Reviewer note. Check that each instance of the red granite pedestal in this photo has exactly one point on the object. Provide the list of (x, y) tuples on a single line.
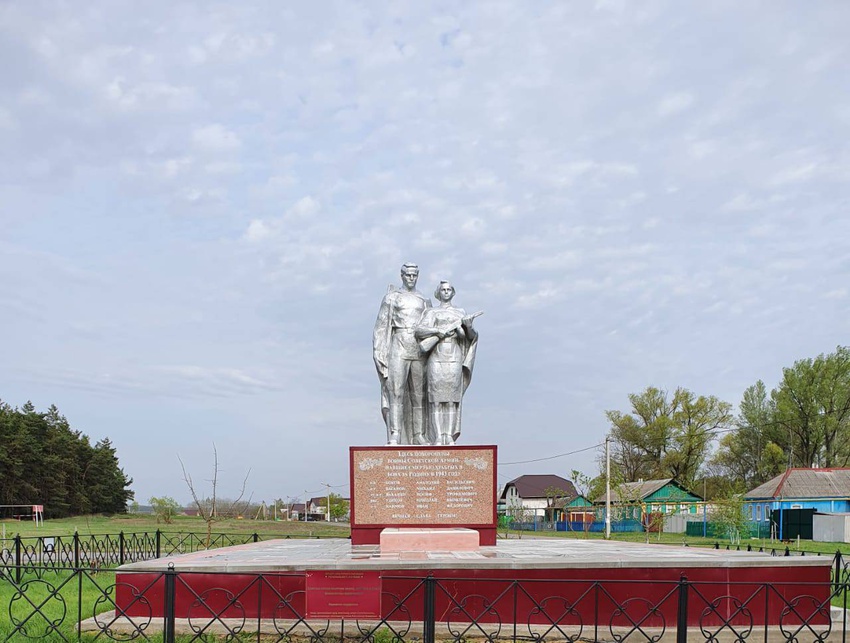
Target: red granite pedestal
[(422, 487)]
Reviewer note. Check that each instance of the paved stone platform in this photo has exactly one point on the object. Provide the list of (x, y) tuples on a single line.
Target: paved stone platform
[(525, 554)]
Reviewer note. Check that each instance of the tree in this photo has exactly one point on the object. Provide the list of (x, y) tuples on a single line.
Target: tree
[(748, 456), (553, 495), (813, 410), (729, 514), (803, 422), (44, 461), (339, 507), (208, 507), (663, 437), (164, 508)]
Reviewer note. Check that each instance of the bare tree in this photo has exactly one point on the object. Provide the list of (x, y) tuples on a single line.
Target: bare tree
[(208, 508)]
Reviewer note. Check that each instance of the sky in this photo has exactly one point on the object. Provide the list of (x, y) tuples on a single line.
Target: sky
[(202, 205)]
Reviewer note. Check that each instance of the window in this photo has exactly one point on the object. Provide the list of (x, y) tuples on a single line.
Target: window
[(749, 512), (767, 512), (758, 512), (796, 506)]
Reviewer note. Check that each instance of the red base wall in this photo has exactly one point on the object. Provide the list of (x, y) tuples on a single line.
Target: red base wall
[(754, 595)]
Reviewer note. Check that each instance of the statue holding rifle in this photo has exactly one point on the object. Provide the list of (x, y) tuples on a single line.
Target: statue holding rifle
[(424, 357), (447, 337)]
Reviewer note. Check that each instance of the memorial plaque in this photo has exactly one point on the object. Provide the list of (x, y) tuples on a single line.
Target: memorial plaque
[(339, 594), (423, 486)]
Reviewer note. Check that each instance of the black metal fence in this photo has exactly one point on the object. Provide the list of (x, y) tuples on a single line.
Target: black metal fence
[(82, 605), (33, 554)]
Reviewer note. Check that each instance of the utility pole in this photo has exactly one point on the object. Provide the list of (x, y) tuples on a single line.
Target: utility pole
[(328, 516), (607, 487)]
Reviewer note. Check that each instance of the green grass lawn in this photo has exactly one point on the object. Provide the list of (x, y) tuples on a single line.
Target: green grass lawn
[(85, 525), (267, 529), (694, 541)]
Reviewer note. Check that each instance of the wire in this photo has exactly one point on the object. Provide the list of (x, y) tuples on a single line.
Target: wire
[(552, 457)]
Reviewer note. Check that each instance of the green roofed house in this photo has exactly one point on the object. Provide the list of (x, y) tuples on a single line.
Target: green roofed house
[(632, 500)]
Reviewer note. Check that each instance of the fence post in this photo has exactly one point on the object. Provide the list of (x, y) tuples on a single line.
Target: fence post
[(158, 542), (120, 547), (18, 560), (168, 615), (837, 577), (76, 550), (428, 625), (256, 537), (787, 551), (682, 612)]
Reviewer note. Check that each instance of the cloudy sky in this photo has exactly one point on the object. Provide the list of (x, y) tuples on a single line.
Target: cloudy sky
[(203, 203)]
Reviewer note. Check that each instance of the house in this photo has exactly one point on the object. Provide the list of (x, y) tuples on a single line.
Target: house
[(318, 505), (633, 500), (825, 490), (297, 511), (574, 509), (535, 495)]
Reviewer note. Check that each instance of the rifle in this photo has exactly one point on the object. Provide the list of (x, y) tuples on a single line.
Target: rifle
[(428, 343)]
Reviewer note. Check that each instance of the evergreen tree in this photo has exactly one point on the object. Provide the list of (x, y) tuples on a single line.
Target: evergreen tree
[(44, 461)]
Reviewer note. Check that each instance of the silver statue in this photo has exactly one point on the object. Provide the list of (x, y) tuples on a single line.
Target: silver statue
[(447, 337), (400, 362)]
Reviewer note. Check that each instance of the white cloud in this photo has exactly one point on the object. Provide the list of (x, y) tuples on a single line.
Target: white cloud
[(675, 103), (216, 138), (257, 230), (305, 207)]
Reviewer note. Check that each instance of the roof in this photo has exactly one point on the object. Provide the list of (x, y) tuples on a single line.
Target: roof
[(804, 483), (535, 486), (641, 490), (564, 502)]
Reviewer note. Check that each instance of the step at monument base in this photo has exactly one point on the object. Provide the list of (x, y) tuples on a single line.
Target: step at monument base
[(395, 539)]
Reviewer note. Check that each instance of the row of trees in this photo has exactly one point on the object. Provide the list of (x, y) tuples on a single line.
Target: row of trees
[(803, 422), (44, 461)]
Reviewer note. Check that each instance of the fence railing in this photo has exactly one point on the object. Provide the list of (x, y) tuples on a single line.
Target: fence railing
[(82, 604), (29, 554)]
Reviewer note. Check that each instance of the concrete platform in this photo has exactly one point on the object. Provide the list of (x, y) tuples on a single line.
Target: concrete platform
[(525, 553)]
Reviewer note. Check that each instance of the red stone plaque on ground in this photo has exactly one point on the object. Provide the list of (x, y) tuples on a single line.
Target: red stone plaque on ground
[(342, 594), (413, 486)]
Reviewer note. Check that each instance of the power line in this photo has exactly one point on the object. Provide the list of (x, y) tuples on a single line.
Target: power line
[(552, 457)]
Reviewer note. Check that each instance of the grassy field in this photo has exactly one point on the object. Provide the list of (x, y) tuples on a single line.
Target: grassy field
[(267, 529), (85, 525), (698, 541)]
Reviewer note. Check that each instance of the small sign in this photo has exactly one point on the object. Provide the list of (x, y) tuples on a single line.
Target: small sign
[(339, 594)]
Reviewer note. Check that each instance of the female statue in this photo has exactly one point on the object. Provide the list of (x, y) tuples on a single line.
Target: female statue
[(448, 339)]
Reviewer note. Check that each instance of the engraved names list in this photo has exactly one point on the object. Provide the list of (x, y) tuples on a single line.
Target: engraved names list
[(423, 485)]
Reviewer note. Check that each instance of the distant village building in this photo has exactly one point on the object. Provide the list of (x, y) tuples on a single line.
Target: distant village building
[(633, 500), (531, 496), (825, 490)]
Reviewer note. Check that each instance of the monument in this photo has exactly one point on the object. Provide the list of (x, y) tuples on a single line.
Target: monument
[(424, 356), (423, 538), (422, 353)]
